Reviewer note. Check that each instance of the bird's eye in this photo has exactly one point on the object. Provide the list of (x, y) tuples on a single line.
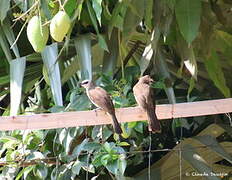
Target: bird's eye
[(85, 82)]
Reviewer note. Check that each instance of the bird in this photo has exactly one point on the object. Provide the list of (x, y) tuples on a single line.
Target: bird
[(101, 99), (144, 97)]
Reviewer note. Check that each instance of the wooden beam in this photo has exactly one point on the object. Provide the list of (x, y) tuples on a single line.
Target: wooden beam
[(90, 118)]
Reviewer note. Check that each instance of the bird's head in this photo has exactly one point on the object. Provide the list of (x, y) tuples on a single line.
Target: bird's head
[(146, 79), (86, 84)]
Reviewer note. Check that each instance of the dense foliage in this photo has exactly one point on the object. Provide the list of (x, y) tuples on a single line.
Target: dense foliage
[(185, 45)]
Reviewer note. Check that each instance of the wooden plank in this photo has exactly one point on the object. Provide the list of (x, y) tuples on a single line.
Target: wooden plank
[(89, 118)]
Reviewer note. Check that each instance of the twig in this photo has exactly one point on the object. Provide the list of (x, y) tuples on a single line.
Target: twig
[(20, 32), (18, 18)]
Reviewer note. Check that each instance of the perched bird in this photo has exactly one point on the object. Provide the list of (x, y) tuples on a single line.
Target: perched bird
[(101, 99), (144, 97)]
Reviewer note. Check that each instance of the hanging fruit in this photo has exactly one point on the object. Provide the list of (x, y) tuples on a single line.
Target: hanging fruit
[(59, 26), (37, 34)]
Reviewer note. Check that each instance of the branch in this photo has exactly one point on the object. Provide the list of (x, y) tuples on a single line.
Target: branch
[(131, 114)]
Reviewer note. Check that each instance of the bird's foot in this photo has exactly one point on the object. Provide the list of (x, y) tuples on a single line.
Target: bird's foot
[(96, 109)]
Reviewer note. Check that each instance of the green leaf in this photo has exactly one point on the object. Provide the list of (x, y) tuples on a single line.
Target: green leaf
[(25, 171), (77, 150), (132, 124), (56, 109), (122, 164), (92, 16), (139, 127), (54, 173), (96, 4), (35, 155), (123, 144), (4, 7), (83, 48), (76, 167), (70, 6), (188, 15), (102, 42), (6, 27), (105, 158), (5, 45), (148, 17), (190, 62), (91, 146), (110, 58), (41, 171), (146, 58), (191, 86), (108, 147), (163, 70), (71, 67), (50, 56), (79, 102), (171, 3), (132, 19), (45, 8), (113, 166), (17, 69), (226, 37), (4, 80), (216, 74), (114, 22)]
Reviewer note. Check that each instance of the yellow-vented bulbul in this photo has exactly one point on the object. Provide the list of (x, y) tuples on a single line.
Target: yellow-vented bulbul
[(144, 97), (100, 98)]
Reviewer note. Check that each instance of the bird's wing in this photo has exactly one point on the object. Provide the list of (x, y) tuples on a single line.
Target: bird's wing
[(101, 98), (142, 94)]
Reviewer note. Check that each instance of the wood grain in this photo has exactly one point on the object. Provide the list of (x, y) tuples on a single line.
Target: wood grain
[(90, 118)]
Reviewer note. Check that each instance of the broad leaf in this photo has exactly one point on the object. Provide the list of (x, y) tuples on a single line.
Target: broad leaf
[(148, 17), (83, 48), (24, 172), (70, 7), (146, 58), (188, 15), (76, 167), (49, 56), (102, 42), (5, 45), (132, 19), (114, 21), (71, 67), (17, 69), (190, 61), (164, 72), (216, 74), (77, 150), (110, 58), (41, 171), (10, 37), (92, 16), (96, 4), (4, 7), (45, 8)]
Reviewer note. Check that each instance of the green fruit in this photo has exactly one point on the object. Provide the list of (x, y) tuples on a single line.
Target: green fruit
[(37, 35), (59, 26)]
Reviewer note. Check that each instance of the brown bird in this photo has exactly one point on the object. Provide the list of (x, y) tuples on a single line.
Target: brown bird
[(144, 97), (101, 99)]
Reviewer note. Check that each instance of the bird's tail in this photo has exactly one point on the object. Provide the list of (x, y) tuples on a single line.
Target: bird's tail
[(116, 125), (153, 122)]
